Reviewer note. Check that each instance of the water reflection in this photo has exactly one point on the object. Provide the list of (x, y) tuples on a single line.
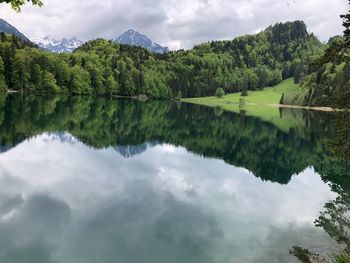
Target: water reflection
[(85, 180)]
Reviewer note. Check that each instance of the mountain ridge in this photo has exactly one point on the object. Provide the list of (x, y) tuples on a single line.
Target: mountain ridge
[(10, 29), (134, 38), (58, 46)]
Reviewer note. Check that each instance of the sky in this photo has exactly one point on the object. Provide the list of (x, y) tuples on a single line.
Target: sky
[(173, 23)]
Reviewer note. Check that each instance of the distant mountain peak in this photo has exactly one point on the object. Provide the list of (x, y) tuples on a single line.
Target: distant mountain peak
[(58, 46), (134, 38)]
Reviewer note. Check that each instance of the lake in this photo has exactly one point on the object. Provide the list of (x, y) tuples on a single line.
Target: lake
[(99, 180)]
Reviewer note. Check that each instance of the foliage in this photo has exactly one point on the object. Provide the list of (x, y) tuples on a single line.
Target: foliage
[(244, 93), (249, 62), (219, 92), (2, 77), (102, 67), (346, 24), (328, 84), (16, 4)]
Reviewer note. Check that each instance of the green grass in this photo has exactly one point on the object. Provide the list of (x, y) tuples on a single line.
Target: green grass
[(257, 103)]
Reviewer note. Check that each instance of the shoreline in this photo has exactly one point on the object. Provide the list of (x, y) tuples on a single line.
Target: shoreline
[(273, 105), (317, 108), (188, 100)]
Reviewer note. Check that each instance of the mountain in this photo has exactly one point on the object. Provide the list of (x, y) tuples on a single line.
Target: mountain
[(9, 29), (132, 37), (58, 46), (128, 151)]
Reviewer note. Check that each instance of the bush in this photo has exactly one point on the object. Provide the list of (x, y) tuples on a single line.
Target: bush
[(244, 93), (219, 92)]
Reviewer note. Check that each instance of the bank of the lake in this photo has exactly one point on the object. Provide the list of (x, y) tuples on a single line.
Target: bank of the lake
[(264, 104), (257, 103)]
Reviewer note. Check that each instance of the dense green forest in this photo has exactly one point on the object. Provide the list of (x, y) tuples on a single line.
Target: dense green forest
[(101, 67)]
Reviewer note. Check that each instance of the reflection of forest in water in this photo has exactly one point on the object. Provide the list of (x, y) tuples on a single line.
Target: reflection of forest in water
[(318, 139), (243, 141)]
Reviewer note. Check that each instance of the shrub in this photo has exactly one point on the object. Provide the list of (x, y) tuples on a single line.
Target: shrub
[(244, 93), (219, 92)]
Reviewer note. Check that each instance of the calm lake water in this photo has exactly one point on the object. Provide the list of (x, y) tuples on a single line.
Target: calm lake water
[(94, 180)]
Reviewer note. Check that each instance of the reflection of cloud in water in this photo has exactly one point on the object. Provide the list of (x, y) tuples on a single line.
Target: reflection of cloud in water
[(30, 234), (160, 206)]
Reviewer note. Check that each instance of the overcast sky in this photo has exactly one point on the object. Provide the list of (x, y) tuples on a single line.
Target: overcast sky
[(173, 23)]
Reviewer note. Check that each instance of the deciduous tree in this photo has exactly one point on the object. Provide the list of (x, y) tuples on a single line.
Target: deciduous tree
[(17, 4)]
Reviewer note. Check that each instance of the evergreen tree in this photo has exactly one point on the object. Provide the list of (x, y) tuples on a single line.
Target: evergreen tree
[(36, 77), (19, 72), (3, 86), (346, 24)]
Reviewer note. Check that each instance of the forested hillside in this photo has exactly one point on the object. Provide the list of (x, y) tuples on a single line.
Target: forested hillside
[(101, 67), (329, 82), (249, 62)]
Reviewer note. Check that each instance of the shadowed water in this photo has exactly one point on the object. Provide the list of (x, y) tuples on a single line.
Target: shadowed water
[(98, 180)]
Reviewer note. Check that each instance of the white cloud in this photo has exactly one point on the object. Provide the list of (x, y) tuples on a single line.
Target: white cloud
[(99, 206), (176, 23)]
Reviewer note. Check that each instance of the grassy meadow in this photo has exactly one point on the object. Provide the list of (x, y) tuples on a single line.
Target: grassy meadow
[(261, 104)]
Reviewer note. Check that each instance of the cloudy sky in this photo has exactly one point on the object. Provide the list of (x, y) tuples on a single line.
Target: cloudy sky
[(175, 23)]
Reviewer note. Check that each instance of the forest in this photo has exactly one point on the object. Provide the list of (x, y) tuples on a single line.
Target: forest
[(328, 82), (102, 67)]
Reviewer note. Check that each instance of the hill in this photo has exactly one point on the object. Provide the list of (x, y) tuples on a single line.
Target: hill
[(250, 62)]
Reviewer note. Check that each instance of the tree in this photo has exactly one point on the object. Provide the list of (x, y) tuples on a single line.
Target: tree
[(17, 4), (49, 83), (276, 77), (19, 72), (36, 77), (80, 81), (111, 85), (3, 87), (338, 51), (129, 85), (219, 92), (346, 24)]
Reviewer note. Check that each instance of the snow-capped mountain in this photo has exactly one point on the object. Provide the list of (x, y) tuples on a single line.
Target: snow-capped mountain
[(58, 46), (9, 29), (63, 137), (132, 37)]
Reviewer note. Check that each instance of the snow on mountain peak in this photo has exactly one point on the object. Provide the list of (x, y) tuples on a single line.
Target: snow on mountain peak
[(58, 46)]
